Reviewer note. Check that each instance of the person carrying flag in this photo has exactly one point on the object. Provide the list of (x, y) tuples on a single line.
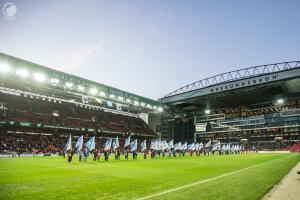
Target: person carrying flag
[(95, 155), (106, 154), (115, 146), (126, 146), (98, 155), (89, 147), (143, 146), (126, 153), (107, 149), (133, 147), (70, 155), (85, 154), (80, 155)]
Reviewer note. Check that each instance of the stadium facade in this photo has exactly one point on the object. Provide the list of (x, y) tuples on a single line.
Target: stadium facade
[(257, 105)]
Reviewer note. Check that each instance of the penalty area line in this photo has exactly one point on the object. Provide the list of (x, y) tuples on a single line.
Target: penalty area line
[(206, 180)]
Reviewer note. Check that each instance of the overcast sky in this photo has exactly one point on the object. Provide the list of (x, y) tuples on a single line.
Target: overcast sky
[(151, 47)]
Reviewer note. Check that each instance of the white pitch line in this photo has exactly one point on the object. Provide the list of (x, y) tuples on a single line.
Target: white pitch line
[(205, 181)]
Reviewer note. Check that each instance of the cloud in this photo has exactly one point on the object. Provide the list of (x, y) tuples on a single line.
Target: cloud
[(73, 59)]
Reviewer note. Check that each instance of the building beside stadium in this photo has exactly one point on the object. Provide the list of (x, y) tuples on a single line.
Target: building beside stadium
[(258, 105)]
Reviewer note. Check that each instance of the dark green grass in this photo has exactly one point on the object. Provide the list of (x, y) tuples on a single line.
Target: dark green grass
[(52, 178)]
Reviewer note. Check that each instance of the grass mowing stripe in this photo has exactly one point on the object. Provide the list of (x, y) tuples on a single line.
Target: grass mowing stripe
[(210, 179), (53, 178)]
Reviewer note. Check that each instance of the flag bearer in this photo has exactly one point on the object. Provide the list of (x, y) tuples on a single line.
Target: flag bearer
[(80, 155), (70, 155), (106, 155)]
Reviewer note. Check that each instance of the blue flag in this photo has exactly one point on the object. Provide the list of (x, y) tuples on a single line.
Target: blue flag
[(164, 145), (127, 141), (184, 146), (170, 144), (177, 146), (133, 145), (79, 143), (200, 145), (191, 147), (90, 144), (143, 145), (107, 146), (115, 144), (208, 144), (68, 145), (152, 145)]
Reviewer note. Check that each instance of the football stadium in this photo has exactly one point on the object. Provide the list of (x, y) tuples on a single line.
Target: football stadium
[(214, 132), (66, 132)]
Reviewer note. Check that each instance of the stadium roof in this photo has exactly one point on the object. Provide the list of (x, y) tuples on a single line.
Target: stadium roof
[(240, 87), (35, 74)]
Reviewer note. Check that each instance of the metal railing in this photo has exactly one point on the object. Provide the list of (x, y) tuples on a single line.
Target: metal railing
[(237, 75)]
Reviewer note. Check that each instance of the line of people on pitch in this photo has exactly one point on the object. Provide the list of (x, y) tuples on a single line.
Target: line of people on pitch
[(85, 153)]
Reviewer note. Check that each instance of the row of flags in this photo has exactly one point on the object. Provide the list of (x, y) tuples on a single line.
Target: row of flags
[(109, 144), (164, 145), (155, 145)]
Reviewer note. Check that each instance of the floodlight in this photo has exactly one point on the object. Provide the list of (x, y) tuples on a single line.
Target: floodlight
[(93, 91), (80, 88), (143, 104), (207, 111), (149, 106), (154, 107), (128, 100), (54, 81), (280, 101), (69, 84), (120, 98), (136, 103), (4, 68), (102, 94), (160, 109), (22, 72), (39, 77), (112, 96)]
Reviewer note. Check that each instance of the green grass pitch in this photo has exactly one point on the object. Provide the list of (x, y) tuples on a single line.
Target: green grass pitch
[(53, 178)]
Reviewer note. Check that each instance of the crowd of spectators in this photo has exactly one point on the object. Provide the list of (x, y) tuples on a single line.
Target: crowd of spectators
[(54, 114), (45, 143)]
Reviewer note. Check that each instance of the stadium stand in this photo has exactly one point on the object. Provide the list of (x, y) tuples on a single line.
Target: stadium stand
[(257, 106), (38, 113)]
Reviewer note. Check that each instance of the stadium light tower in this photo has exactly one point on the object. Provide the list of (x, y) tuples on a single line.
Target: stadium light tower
[(22, 73)]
